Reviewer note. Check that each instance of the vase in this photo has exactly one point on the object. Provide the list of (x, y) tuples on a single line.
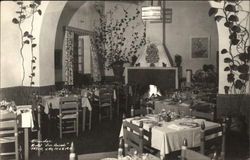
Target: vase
[(118, 70)]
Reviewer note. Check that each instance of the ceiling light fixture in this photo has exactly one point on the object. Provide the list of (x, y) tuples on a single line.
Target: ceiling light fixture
[(151, 13)]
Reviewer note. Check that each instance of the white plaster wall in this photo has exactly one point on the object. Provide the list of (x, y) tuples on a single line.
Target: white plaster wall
[(189, 19), (47, 42), (11, 63)]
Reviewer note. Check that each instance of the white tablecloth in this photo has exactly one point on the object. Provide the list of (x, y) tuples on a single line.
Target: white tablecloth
[(55, 100), (170, 135)]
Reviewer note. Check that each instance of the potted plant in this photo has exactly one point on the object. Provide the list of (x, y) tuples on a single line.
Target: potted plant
[(111, 42), (178, 60)]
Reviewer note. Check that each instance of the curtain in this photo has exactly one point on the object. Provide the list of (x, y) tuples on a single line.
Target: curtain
[(69, 50), (96, 73)]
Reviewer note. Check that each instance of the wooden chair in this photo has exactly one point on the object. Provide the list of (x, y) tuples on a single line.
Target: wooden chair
[(136, 137), (206, 111), (8, 135), (69, 115), (188, 154), (143, 110), (105, 103), (213, 140), (131, 96)]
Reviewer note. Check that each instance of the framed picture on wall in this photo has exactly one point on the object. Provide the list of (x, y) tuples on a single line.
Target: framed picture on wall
[(200, 47)]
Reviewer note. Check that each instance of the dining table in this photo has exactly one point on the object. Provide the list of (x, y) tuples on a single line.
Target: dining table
[(168, 137), (53, 102)]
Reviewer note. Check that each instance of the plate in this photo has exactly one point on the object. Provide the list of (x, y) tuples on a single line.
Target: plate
[(189, 124)]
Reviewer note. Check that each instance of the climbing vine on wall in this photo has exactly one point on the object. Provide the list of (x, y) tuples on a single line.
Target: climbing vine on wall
[(27, 10), (238, 52)]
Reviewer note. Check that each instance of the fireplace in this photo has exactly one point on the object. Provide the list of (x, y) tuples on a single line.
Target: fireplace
[(165, 78)]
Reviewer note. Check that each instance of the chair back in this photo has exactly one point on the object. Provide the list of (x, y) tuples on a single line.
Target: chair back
[(135, 136), (68, 112), (188, 154), (105, 96), (69, 105), (213, 140), (8, 133), (206, 111)]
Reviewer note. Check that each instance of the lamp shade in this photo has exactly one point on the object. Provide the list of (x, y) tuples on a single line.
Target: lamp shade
[(151, 13)]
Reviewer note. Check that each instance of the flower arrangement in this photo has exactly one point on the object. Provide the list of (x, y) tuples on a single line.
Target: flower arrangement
[(8, 106), (110, 40)]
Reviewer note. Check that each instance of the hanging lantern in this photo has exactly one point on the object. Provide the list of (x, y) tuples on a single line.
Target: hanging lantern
[(151, 13)]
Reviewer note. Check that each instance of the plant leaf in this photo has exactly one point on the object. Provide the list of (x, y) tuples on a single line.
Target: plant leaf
[(234, 67), (33, 45), (224, 51), (34, 67), (26, 33), (227, 69), (26, 42), (39, 12), (244, 68), (233, 35), (32, 83), (218, 18), (227, 60), (238, 84), (228, 24), (244, 76), (33, 5), (230, 8), (15, 21), (230, 77), (212, 11), (19, 3), (243, 56), (236, 29), (235, 41), (30, 36), (233, 18)]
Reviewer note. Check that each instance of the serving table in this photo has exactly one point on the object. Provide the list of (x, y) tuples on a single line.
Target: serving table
[(25, 121), (168, 136)]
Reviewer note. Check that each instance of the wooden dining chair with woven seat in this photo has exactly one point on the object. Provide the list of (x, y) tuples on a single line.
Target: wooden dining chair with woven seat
[(8, 136), (136, 138), (213, 140), (105, 103), (69, 115)]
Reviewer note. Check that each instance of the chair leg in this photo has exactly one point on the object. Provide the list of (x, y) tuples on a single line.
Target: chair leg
[(83, 118), (60, 128), (77, 127), (100, 117), (16, 144), (90, 117), (110, 112)]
